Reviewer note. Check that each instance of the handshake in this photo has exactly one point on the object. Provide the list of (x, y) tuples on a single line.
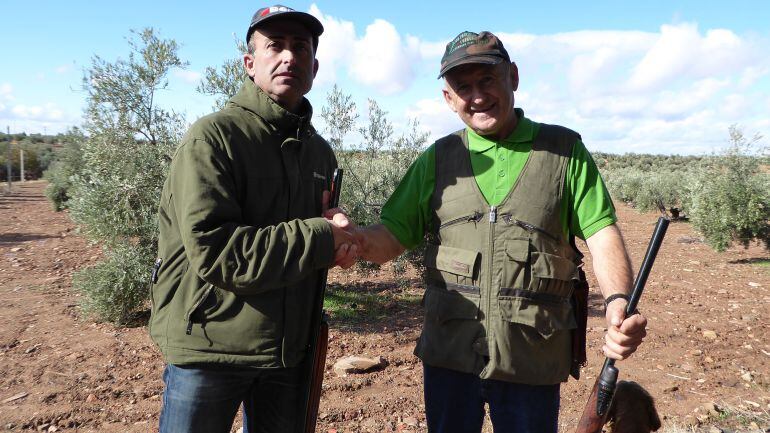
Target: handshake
[(352, 242)]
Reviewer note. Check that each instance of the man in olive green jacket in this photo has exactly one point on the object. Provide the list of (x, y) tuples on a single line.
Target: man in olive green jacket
[(498, 203), (243, 242)]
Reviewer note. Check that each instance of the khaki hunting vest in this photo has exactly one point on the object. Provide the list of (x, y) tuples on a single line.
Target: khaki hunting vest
[(499, 278)]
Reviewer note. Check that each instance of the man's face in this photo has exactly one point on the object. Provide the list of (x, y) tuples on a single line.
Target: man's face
[(482, 95), (282, 62)]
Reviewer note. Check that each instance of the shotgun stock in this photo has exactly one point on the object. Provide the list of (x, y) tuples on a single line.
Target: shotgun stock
[(319, 334), (598, 405)]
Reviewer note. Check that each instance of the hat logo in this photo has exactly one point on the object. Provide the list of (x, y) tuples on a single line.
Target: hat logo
[(274, 9)]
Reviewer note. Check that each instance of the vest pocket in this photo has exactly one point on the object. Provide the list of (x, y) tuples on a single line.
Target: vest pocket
[(451, 265), (545, 313), (444, 305), (553, 274)]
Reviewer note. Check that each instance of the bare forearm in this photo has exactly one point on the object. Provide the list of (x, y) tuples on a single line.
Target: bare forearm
[(611, 263), (378, 244)]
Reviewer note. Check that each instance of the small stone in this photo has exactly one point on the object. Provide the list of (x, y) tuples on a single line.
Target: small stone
[(690, 421), (711, 408), (670, 389), (753, 426), (710, 335), (715, 429), (357, 364), (411, 421), (752, 284), (53, 429), (747, 376), (91, 398), (696, 352), (708, 360)]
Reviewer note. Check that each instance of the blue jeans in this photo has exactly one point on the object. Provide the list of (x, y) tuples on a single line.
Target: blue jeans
[(206, 399), (454, 403)]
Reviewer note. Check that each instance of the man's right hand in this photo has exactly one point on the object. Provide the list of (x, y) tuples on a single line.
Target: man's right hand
[(377, 244), (346, 244)]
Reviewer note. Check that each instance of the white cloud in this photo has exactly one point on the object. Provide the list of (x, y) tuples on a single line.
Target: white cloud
[(6, 92), (46, 112), (682, 53), (335, 46), (189, 77), (65, 68), (435, 117), (382, 60)]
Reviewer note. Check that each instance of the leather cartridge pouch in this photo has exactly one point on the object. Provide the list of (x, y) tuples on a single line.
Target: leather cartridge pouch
[(580, 307)]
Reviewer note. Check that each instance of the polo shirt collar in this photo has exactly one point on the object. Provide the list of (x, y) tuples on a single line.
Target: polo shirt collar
[(523, 133)]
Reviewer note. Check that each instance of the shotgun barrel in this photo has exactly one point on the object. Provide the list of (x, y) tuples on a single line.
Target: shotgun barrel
[(319, 333), (598, 405)]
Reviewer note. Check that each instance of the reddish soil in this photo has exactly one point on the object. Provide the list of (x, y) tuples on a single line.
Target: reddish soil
[(708, 339)]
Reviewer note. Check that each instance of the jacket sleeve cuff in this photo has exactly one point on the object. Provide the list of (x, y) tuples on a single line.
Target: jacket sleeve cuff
[(323, 241)]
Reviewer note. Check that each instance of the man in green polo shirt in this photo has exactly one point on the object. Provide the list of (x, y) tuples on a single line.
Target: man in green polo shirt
[(498, 204)]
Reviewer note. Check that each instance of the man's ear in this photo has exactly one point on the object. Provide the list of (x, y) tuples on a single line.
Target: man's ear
[(248, 64), (315, 67), (449, 98), (515, 76)]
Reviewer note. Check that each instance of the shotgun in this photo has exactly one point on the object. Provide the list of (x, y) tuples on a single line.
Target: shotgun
[(598, 405), (319, 333)]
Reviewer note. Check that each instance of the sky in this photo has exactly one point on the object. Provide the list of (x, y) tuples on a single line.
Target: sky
[(644, 77)]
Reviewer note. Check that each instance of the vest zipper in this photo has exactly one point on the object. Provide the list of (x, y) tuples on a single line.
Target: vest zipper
[(490, 265), (475, 217), (526, 226)]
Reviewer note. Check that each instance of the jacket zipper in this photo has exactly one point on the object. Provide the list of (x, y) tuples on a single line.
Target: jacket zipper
[(192, 310), (475, 217)]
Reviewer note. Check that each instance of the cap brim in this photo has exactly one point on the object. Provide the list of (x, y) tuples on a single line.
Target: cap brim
[(310, 22), (486, 60)]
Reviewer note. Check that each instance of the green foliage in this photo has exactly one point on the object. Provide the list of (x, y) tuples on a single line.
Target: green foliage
[(649, 182), (726, 197), (356, 305), (68, 162), (225, 81), (114, 197), (116, 288), (731, 200), (374, 165)]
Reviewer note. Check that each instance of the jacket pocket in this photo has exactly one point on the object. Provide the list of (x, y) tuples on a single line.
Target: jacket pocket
[(205, 300), (546, 313)]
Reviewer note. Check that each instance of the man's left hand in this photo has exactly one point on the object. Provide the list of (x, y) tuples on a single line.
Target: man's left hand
[(624, 334)]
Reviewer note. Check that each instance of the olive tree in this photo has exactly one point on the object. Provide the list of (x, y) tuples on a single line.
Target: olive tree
[(114, 198)]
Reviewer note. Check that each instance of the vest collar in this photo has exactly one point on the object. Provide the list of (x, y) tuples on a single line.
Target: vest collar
[(524, 133), (250, 97)]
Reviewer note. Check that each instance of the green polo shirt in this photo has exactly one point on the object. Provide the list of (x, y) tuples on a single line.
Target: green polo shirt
[(585, 209)]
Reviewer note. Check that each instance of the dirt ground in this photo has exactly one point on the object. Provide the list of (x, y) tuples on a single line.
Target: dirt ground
[(707, 342)]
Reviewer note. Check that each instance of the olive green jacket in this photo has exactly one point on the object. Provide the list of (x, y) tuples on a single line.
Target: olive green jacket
[(499, 278), (241, 237)]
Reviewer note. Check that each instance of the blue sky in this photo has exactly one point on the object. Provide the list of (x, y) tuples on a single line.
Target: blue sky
[(657, 77)]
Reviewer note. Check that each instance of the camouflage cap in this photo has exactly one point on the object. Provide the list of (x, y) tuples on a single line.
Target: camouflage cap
[(279, 11), (469, 47)]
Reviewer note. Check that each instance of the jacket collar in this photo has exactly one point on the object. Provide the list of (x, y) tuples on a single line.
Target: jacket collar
[(250, 97)]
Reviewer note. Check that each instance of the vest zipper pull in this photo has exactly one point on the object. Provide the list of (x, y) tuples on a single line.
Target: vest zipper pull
[(493, 214)]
